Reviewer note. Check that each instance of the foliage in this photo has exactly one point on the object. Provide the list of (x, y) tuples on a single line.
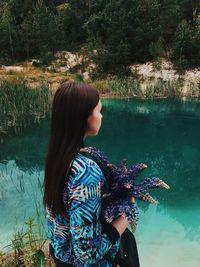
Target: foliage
[(156, 48), (70, 25), (186, 46), (44, 28), (27, 246), (170, 16), (122, 32), (7, 33)]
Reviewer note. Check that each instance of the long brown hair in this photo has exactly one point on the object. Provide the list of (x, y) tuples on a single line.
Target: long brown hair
[(72, 105)]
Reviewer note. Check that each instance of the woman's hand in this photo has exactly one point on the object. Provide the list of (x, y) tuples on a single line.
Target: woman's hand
[(121, 223), (132, 200), (125, 207)]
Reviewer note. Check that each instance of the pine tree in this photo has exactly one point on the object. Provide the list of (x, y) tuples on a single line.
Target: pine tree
[(7, 31), (45, 29), (183, 46)]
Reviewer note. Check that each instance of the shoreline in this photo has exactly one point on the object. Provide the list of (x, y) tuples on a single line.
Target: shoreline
[(158, 79), (41, 92)]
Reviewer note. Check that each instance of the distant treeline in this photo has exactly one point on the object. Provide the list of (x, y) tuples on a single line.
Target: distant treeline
[(121, 31)]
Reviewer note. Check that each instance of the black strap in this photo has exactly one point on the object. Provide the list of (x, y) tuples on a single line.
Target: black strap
[(128, 253), (57, 262)]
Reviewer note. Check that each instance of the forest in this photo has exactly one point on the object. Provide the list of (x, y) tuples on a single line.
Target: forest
[(121, 32)]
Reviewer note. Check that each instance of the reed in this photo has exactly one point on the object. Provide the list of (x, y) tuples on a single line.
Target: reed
[(161, 88), (125, 87), (27, 248), (22, 106), (118, 87)]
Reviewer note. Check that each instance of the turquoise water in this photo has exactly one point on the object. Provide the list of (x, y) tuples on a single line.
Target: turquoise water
[(164, 134)]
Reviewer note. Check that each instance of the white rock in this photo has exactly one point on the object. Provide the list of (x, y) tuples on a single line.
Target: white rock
[(86, 75), (12, 68)]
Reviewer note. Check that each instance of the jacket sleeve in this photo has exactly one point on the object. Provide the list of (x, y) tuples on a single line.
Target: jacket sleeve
[(91, 238)]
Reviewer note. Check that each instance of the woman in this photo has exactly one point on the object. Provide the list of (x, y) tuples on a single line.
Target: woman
[(73, 184)]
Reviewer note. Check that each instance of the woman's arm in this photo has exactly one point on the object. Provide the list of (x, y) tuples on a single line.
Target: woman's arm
[(91, 237)]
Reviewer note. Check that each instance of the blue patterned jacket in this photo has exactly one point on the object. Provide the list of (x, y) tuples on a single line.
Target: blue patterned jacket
[(82, 238)]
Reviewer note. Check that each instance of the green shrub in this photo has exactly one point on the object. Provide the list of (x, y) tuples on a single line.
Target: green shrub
[(185, 49)]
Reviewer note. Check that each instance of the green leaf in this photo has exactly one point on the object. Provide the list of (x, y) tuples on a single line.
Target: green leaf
[(39, 259)]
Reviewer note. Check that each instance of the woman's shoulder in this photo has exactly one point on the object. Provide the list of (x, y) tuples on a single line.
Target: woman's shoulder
[(84, 166), (83, 161)]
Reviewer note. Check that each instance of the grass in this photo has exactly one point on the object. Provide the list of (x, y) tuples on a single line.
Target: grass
[(125, 87), (27, 249), (129, 87), (118, 87), (194, 91), (28, 246), (22, 106), (162, 88)]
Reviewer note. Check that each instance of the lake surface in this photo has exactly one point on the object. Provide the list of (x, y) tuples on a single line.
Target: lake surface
[(164, 134)]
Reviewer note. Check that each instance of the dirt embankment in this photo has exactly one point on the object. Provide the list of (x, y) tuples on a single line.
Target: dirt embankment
[(68, 66), (151, 72)]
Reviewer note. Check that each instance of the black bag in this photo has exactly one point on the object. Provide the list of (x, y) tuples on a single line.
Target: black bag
[(127, 255)]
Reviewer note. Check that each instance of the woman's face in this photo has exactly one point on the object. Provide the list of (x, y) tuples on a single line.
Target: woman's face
[(94, 121)]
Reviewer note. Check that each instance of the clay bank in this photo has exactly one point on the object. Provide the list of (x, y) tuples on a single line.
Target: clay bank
[(154, 78)]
